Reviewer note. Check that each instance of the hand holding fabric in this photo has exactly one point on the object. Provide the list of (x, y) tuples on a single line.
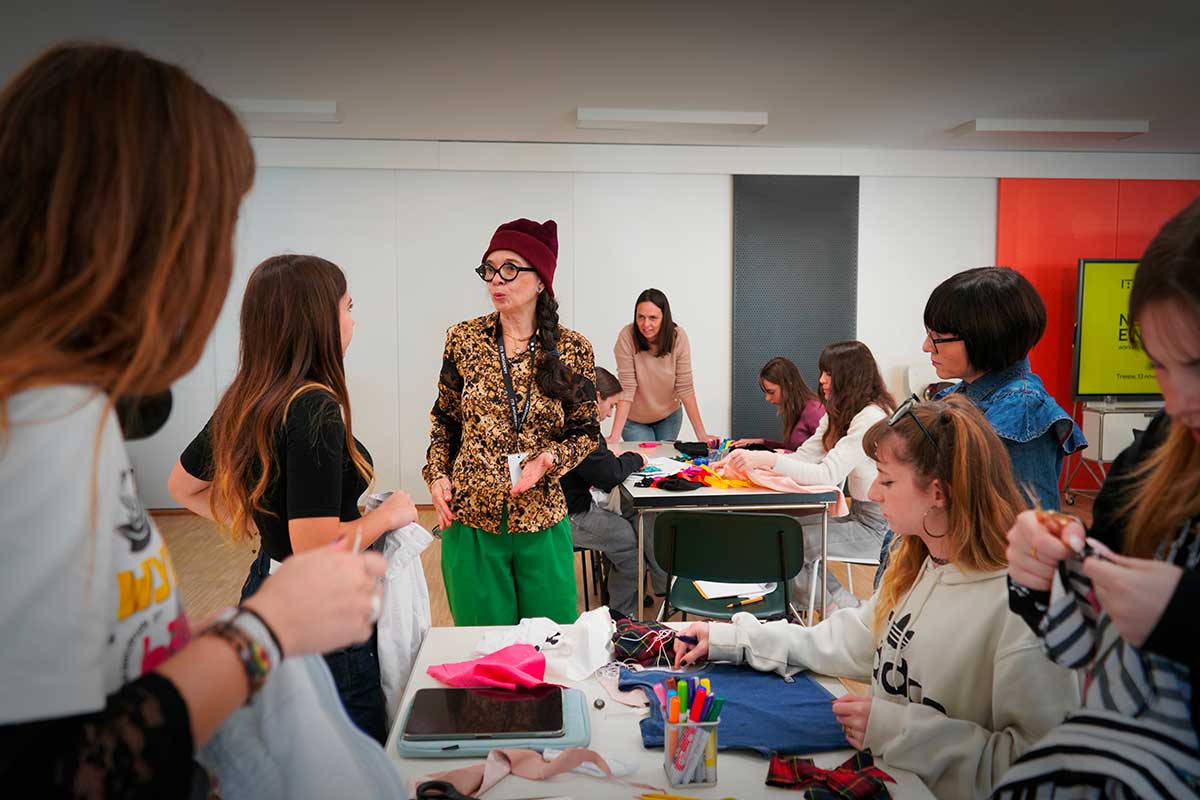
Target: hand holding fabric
[(685, 653), (746, 460), (1134, 592), (853, 711), (1034, 551)]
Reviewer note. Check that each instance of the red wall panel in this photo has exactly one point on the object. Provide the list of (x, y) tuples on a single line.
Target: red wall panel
[(1044, 227), (1143, 207)]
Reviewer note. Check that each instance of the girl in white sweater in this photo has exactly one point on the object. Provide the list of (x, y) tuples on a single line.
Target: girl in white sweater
[(855, 399), (959, 687)]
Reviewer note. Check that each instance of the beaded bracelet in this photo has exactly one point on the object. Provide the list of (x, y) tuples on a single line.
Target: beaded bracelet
[(258, 657)]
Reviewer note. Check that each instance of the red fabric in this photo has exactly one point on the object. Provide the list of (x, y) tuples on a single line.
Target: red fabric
[(856, 779), (507, 668), (536, 242)]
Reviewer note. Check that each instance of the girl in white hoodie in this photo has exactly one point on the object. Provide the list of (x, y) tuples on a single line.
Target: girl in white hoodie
[(959, 688)]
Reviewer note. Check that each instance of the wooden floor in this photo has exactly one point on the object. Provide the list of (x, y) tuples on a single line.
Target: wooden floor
[(211, 569)]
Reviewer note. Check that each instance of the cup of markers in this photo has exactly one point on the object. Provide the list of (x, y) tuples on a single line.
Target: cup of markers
[(692, 713)]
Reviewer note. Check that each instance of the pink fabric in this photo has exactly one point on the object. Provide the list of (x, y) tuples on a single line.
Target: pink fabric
[(781, 483), (507, 668), (476, 780)]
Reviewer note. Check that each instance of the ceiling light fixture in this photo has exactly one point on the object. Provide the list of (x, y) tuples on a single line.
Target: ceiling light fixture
[(1097, 128), (640, 119), (267, 110)]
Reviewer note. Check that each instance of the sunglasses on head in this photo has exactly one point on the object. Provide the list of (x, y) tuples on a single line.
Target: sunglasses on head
[(906, 410)]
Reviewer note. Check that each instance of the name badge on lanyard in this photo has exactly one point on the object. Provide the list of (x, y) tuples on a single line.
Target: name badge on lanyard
[(518, 418)]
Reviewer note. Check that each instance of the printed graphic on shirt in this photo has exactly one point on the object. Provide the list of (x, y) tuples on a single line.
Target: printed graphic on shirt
[(893, 674), (136, 525), (149, 624)]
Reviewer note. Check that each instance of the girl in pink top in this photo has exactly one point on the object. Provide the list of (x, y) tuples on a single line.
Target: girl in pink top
[(799, 407)]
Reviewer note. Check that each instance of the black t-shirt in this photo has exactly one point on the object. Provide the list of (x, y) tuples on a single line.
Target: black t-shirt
[(312, 476)]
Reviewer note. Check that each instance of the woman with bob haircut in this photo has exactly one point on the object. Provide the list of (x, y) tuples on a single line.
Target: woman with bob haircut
[(278, 461), (654, 364), (1118, 602), (958, 685), (123, 179), (855, 399), (798, 405), (979, 327)]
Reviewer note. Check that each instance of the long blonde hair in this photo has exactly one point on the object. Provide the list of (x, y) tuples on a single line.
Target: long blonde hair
[(974, 470), (1166, 486)]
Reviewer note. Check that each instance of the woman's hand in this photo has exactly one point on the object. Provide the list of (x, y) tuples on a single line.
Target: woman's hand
[(744, 442), (691, 653), (1034, 550), (1134, 592), (443, 494), (322, 599), (613, 438), (853, 711), (533, 471), (746, 460), (398, 510)]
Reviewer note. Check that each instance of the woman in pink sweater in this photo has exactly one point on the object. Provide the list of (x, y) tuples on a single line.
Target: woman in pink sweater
[(799, 407), (654, 364)]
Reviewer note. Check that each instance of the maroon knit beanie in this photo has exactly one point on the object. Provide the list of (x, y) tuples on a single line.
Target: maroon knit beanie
[(536, 242)]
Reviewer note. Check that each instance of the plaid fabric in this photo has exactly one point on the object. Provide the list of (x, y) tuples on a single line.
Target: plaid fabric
[(647, 643), (857, 779)]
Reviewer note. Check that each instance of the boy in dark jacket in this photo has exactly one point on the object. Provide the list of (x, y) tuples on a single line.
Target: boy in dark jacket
[(597, 528)]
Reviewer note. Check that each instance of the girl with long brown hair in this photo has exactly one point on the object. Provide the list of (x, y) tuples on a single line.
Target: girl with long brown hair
[(855, 399), (800, 410), (278, 460), (654, 364), (958, 686), (1118, 602), (123, 179)]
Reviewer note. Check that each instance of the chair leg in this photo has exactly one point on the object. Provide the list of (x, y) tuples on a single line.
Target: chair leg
[(812, 590), (850, 577), (583, 563)]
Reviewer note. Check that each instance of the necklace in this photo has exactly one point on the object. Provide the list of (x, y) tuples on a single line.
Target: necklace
[(941, 562), (519, 343)]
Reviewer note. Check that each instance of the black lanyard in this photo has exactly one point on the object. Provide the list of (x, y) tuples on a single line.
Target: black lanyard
[(518, 420)]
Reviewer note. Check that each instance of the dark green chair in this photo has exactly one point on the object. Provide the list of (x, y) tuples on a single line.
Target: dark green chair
[(732, 547)]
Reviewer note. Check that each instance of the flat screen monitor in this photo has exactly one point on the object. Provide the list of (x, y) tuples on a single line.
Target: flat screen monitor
[(1106, 364)]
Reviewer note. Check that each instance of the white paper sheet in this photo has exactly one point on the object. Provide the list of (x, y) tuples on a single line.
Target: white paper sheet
[(712, 590)]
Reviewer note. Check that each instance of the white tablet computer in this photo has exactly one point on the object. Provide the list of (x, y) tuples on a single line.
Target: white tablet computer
[(450, 714)]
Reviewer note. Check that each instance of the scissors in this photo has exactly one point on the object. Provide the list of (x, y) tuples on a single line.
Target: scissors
[(440, 790)]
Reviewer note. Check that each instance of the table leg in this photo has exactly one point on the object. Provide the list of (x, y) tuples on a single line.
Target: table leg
[(824, 557), (641, 569)]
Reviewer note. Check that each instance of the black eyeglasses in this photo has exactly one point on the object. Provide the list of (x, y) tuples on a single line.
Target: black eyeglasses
[(906, 410), (508, 271), (935, 341)]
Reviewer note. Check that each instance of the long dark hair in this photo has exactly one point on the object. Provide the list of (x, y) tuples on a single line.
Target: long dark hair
[(856, 385), (1167, 484), (123, 178), (666, 331), (554, 378), (291, 344), (796, 392)]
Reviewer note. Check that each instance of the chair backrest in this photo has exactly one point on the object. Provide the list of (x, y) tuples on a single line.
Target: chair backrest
[(734, 547)]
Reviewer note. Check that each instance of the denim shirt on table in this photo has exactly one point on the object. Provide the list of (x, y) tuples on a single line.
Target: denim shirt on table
[(1037, 432)]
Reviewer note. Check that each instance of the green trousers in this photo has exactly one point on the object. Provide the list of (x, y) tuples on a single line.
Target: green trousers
[(499, 578)]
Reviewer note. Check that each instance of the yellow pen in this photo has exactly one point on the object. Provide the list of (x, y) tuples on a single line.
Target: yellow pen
[(745, 602)]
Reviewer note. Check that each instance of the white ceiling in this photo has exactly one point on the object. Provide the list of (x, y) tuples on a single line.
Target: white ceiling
[(845, 74)]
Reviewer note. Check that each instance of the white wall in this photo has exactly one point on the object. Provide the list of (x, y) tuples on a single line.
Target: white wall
[(409, 242), (912, 234)]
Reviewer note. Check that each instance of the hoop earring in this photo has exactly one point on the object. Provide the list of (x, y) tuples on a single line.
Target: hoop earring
[(926, 527)]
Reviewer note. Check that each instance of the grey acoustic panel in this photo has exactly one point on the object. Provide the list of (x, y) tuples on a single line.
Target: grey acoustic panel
[(795, 281)]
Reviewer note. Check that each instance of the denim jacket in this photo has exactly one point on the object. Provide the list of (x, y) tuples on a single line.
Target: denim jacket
[(1034, 428)]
